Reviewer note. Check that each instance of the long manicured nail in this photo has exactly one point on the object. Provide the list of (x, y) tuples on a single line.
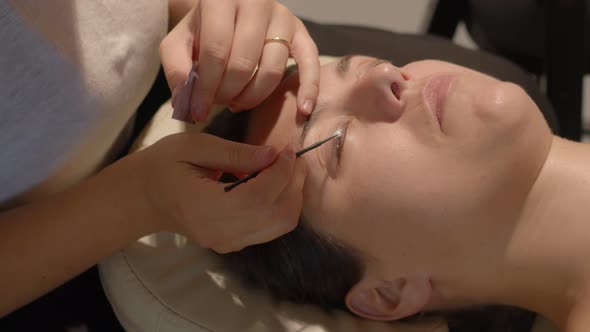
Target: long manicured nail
[(181, 104), (182, 94)]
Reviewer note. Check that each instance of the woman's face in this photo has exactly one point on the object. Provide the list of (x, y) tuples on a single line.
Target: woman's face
[(432, 155)]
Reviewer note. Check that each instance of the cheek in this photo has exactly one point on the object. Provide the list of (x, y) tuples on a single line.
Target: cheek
[(486, 110), (385, 218), (514, 134), (392, 174), (395, 177), (518, 143), (503, 106)]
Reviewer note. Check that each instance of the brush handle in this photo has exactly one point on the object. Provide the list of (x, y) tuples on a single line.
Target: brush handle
[(297, 154), (240, 181)]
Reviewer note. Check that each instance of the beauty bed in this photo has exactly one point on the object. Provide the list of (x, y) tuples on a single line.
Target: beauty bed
[(164, 283)]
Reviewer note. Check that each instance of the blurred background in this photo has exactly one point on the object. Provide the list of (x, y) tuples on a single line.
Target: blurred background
[(516, 29)]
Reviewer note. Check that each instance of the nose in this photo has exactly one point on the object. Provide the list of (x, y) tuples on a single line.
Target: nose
[(378, 92)]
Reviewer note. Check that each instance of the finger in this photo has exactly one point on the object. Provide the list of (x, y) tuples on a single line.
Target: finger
[(251, 26), (266, 234), (216, 36), (176, 52), (272, 63), (305, 53), (262, 191), (289, 205), (214, 153)]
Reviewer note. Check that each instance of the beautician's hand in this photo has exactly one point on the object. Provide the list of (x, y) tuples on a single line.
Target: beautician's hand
[(227, 38), (177, 177)]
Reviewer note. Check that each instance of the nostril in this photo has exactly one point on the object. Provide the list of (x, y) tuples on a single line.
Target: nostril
[(395, 88)]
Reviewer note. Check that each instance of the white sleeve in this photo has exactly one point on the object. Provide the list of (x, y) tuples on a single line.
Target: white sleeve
[(72, 73)]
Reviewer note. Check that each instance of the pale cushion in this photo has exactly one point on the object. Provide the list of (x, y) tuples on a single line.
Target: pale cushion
[(164, 283)]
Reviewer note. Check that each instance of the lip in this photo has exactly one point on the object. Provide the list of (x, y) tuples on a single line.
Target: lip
[(435, 94)]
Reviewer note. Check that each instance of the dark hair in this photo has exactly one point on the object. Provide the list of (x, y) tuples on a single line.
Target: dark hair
[(297, 267), (306, 267)]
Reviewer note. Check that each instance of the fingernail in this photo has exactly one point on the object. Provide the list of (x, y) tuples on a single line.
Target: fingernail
[(265, 155), (181, 105), (199, 112), (290, 149), (307, 106), (173, 99)]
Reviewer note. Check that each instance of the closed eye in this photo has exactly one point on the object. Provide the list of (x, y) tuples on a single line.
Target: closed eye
[(339, 142)]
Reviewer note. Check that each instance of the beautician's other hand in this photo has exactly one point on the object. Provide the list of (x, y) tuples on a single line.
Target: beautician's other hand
[(227, 38), (177, 177)]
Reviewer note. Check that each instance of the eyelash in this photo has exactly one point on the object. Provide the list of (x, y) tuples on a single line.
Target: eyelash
[(339, 142)]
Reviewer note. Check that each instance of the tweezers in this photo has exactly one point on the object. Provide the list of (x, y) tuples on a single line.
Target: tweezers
[(299, 153)]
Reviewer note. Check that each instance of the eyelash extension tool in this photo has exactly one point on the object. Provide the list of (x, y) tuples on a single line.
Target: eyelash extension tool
[(299, 153)]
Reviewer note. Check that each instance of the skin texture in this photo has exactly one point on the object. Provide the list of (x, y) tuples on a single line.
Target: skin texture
[(413, 194)]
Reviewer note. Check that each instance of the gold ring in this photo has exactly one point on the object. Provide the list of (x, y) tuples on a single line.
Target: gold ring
[(278, 40)]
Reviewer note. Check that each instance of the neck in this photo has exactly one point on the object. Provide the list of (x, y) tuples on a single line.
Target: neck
[(552, 237), (544, 255)]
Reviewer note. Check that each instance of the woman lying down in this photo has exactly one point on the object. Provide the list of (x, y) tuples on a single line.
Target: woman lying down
[(446, 191)]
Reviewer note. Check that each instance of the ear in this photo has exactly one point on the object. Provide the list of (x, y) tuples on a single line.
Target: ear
[(389, 300)]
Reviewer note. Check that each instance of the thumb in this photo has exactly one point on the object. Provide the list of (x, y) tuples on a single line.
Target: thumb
[(215, 153)]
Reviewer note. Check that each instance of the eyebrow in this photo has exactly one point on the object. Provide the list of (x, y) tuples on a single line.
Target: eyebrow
[(311, 121), (343, 65), (342, 69)]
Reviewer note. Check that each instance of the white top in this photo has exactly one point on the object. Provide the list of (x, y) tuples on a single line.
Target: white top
[(72, 73)]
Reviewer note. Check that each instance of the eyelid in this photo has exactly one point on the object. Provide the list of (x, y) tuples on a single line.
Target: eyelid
[(339, 144)]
